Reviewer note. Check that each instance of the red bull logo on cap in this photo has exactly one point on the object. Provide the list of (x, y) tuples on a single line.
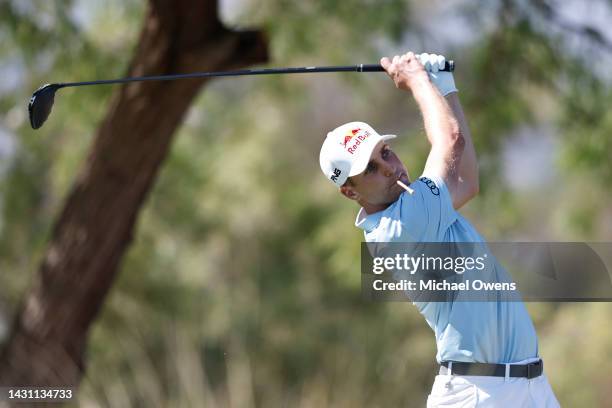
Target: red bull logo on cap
[(349, 136), (352, 139)]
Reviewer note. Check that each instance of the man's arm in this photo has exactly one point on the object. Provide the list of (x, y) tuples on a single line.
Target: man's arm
[(468, 184), (441, 125)]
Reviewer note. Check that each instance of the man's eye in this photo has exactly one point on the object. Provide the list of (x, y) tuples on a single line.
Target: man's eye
[(371, 167), (385, 153)]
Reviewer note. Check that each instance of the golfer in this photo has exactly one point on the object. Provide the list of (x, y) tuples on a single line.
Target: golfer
[(487, 351)]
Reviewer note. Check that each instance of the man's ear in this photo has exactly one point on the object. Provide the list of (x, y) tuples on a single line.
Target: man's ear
[(349, 192)]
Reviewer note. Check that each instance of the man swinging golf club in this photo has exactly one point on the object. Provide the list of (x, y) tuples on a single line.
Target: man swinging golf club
[(487, 351)]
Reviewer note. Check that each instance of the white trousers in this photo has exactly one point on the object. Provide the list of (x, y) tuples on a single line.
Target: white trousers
[(479, 391)]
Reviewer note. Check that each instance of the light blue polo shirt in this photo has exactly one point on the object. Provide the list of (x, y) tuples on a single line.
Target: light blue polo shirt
[(471, 331)]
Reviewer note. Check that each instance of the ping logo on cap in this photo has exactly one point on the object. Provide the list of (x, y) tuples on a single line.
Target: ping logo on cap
[(335, 174)]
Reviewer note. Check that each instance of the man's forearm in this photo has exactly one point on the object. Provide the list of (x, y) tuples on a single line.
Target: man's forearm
[(441, 125), (468, 168)]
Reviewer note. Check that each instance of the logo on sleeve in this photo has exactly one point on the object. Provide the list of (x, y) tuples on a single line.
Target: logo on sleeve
[(432, 186)]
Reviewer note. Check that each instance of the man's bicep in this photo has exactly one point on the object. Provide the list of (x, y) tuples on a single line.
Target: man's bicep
[(464, 192), (443, 161)]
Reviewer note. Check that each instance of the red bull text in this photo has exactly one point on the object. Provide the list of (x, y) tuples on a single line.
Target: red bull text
[(354, 141)]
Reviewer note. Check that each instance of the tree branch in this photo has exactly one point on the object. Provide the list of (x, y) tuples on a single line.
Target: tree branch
[(95, 227)]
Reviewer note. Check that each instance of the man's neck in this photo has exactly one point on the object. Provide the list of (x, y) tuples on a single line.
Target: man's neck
[(370, 208)]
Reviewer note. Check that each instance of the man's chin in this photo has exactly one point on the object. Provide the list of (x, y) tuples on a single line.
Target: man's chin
[(395, 194)]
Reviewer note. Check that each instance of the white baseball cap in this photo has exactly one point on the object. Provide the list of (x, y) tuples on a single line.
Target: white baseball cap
[(347, 149)]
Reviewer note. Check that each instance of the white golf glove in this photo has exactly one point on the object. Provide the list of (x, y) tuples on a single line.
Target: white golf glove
[(443, 80)]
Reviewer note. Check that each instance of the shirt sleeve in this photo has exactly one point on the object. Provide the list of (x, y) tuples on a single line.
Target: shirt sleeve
[(427, 213)]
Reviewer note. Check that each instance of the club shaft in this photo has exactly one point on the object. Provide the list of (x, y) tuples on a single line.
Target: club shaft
[(261, 71)]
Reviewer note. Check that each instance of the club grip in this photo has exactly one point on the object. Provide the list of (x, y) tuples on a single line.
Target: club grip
[(449, 66)]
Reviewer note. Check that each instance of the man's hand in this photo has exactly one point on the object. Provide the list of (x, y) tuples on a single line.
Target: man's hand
[(406, 70), (443, 80)]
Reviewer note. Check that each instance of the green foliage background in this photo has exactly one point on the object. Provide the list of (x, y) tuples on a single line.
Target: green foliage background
[(242, 285)]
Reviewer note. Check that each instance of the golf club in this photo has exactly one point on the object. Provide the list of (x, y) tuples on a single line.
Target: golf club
[(42, 99)]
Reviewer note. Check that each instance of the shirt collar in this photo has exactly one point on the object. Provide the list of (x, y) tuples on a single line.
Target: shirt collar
[(367, 222)]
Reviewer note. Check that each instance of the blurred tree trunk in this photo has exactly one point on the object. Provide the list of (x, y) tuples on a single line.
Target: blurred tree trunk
[(95, 227)]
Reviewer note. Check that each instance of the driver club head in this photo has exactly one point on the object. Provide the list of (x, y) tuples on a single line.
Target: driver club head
[(41, 104)]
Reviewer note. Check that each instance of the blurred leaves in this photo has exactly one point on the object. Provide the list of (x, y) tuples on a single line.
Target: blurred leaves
[(587, 126)]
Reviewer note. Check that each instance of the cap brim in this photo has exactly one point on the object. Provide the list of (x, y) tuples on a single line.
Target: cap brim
[(362, 163)]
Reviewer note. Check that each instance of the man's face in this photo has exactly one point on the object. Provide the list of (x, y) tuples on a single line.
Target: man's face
[(376, 188)]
